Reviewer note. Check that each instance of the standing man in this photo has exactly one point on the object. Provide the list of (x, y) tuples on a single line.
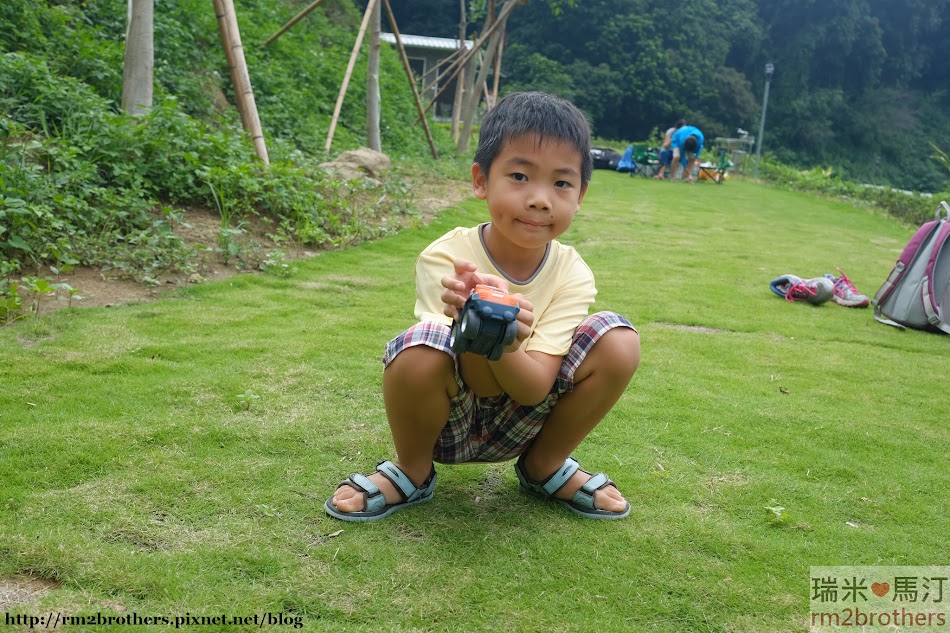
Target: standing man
[(687, 144)]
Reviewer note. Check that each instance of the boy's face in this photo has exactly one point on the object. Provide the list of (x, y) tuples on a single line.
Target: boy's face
[(533, 191)]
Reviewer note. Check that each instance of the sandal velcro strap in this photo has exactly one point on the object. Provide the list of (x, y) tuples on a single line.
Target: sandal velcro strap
[(561, 476), (400, 480), (374, 498), (585, 495)]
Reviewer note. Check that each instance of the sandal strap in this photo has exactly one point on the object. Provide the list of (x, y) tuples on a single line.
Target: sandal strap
[(404, 485), (561, 476), (372, 496), (585, 495)]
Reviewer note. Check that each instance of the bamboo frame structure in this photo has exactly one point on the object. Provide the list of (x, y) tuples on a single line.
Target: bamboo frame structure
[(461, 62)]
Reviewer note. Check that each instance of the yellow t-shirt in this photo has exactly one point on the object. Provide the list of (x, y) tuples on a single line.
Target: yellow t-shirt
[(561, 290)]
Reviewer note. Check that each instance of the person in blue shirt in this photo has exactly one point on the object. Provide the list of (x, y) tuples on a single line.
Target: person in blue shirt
[(687, 144)]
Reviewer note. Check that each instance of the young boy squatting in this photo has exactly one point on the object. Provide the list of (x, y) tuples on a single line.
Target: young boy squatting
[(561, 375)]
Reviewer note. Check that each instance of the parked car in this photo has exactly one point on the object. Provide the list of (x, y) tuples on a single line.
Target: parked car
[(604, 158)]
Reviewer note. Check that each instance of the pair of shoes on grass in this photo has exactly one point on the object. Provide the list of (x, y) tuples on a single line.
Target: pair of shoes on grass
[(376, 507), (819, 290)]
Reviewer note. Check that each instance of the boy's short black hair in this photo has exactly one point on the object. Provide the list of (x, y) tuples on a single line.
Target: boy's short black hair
[(679, 123), (547, 116), (691, 144)]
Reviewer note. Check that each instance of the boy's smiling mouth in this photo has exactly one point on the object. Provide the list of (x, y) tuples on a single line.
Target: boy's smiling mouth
[(534, 224)]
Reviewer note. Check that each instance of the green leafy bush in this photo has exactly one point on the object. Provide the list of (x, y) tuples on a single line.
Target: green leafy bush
[(908, 206), (81, 183)]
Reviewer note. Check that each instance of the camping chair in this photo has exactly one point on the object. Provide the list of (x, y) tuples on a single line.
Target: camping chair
[(715, 171), (647, 160), (626, 164)]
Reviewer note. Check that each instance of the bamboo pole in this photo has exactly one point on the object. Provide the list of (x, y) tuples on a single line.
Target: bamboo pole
[(244, 95), (412, 81), (373, 139), (293, 20), (497, 74), (348, 74), (457, 101)]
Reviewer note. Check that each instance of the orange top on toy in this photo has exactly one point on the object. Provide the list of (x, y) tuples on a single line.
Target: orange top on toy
[(496, 295)]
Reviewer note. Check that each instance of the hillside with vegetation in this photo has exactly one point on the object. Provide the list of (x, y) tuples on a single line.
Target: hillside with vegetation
[(80, 183)]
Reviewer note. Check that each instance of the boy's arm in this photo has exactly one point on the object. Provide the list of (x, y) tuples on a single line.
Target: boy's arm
[(527, 377)]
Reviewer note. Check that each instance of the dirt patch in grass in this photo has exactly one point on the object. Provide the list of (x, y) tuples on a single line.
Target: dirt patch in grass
[(690, 328), (22, 590)]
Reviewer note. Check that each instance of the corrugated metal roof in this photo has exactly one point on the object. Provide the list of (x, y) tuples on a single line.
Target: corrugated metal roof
[(424, 41)]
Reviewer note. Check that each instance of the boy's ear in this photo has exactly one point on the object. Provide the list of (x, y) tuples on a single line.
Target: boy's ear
[(479, 181), (580, 198)]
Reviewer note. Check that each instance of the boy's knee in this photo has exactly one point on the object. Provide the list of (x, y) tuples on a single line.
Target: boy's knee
[(615, 356), (422, 366), (421, 362), (619, 351)]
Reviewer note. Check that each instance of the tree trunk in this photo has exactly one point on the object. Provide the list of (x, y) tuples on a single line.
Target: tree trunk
[(137, 70), (372, 83), (497, 73)]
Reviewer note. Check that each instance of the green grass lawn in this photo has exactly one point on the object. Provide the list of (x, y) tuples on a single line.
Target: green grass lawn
[(173, 457)]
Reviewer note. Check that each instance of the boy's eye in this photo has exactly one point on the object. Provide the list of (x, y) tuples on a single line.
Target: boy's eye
[(562, 184), (519, 177)]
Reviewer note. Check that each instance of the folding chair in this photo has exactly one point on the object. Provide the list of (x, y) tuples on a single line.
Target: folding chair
[(646, 160), (717, 172), (626, 164)]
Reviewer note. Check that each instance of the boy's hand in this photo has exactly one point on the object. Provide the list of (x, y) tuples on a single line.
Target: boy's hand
[(459, 286), (525, 320)]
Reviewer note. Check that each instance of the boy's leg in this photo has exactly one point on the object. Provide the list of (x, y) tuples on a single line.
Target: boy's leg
[(599, 382), (417, 387)]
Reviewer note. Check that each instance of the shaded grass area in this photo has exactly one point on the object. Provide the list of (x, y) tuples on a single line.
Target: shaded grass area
[(134, 473)]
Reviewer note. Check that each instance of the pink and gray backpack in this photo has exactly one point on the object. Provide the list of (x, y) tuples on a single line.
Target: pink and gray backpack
[(917, 292)]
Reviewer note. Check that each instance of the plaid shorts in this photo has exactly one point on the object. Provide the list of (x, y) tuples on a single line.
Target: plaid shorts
[(495, 428)]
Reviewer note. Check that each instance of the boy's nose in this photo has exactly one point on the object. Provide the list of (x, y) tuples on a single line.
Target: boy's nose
[(538, 200)]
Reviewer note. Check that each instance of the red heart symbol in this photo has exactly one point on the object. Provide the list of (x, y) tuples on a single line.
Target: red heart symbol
[(880, 589)]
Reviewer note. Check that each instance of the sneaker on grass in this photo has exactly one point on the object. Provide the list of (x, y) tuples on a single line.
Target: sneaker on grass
[(792, 288), (844, 292)]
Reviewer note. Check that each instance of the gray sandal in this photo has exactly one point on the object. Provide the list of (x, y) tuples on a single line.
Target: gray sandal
[(375, 504), (583, 501)]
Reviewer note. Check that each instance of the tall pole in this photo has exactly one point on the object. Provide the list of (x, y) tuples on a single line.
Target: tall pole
[(769, 69)]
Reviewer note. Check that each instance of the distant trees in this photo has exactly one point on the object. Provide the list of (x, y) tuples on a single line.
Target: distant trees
[(860, 85)]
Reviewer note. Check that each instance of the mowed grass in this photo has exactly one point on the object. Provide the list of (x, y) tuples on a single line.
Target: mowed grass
[(135, 476)]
